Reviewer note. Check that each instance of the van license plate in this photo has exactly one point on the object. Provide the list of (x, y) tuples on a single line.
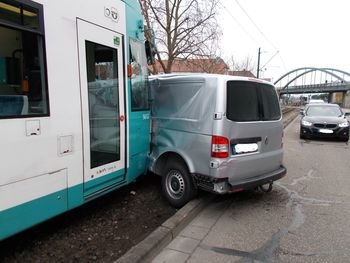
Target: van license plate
[(325, 131), (241, 148)]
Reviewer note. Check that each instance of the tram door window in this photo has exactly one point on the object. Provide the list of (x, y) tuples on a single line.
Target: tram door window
[(102, 74)]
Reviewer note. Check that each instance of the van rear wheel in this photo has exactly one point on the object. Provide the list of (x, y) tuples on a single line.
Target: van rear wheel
[(177, 185)]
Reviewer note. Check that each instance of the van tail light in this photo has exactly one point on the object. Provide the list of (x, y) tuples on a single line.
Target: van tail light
[(219, 147)]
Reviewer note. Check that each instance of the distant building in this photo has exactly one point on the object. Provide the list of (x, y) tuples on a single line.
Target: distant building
[(267, 79), (209, 65), (241, 73)]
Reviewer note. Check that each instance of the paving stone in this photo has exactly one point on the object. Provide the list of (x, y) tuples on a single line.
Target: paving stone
[(195, 232), (184, 244), (171, 256)]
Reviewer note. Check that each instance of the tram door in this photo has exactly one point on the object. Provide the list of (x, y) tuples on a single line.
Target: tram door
[(103, 111)]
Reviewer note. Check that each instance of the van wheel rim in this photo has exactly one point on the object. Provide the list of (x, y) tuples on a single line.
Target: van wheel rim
[(175, 184)]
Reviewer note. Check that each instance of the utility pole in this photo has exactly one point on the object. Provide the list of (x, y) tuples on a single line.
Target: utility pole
[(258, 69)]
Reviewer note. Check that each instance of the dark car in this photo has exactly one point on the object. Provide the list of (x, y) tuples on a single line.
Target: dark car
[(324, 120)]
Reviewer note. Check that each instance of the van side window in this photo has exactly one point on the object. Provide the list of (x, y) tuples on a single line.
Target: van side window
[(23, 91), (250, 101)]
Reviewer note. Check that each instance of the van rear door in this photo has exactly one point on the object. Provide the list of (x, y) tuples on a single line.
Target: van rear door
[(254, 128)]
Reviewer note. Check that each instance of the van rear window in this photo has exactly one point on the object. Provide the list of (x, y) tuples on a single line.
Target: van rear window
[(250, 101)]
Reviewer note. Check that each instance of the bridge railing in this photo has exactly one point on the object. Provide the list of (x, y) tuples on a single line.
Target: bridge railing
[(316, 88)]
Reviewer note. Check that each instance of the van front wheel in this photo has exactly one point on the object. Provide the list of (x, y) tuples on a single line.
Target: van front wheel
[(177, 185)]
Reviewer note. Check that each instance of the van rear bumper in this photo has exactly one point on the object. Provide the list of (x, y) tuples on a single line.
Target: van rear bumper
[(222, 185)]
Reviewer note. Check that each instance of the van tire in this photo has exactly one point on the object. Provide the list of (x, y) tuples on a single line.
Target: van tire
[(177, 184)]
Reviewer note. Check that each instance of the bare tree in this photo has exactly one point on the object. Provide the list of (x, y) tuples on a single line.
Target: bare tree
[(246, 64), (207, 65), (183, 28)]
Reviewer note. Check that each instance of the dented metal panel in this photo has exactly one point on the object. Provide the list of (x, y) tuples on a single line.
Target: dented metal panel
[(185, 104)]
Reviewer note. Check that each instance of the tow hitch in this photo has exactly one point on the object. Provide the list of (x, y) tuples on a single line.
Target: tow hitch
[(266, 188)]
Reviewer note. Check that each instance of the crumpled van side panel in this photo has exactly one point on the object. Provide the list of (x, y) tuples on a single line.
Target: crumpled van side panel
[(182, 120), (185, 105)]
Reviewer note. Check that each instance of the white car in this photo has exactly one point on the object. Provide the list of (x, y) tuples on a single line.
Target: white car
[(316, 101)]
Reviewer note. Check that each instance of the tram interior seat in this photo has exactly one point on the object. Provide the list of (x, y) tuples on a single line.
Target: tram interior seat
[(13, 105)]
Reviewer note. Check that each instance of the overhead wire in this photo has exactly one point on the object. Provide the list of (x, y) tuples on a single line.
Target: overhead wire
[(257, 28), (264, 36), (255, 25), (270, 59), (238, 23), (282, 60)]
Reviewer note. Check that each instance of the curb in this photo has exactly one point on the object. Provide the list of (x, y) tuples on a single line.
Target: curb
[(164, 234)]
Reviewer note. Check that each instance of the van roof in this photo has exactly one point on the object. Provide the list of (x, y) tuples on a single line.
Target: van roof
[(191, 76)]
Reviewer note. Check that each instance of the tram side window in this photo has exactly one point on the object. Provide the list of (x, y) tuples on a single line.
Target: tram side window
[(139, 77), (22, 68)]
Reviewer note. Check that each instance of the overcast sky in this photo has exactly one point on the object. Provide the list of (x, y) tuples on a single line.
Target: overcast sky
[(303, 32)]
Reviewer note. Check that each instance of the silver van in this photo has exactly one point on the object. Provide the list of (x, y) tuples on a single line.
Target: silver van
[(215, 132)]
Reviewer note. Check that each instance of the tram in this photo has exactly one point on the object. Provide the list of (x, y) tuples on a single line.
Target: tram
[(74, 109)]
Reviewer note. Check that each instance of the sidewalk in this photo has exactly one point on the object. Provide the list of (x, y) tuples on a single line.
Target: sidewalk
[(191, 245)]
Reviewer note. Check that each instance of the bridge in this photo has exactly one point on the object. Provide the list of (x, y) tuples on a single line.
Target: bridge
[(308, 80), (316, 88)]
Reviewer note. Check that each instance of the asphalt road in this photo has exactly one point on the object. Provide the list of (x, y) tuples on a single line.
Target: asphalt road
[(306, 217)]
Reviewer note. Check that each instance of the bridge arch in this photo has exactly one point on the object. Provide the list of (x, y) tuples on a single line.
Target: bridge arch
[(306, 70)]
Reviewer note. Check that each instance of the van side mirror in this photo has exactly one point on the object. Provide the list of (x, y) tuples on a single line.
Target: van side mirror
[(302, 112)]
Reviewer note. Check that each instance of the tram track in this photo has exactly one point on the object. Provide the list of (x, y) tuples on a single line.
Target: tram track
[(288, 114)]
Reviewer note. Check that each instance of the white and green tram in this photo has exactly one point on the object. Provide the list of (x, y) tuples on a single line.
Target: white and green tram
[(74, 113)]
